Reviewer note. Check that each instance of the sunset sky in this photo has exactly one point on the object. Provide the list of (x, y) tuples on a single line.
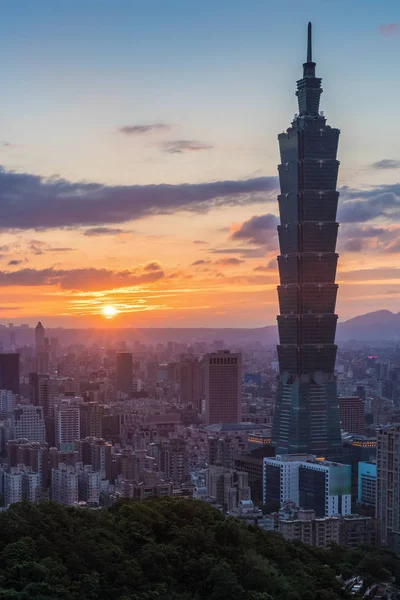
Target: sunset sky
[(139, 154)]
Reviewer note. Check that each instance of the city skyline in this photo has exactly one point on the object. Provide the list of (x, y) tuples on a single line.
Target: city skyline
[(139, 162)]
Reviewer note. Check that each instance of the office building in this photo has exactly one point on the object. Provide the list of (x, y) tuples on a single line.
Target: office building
[(67, 425), (29, 423), (39, 338), (222, 387), (366, 483), (325, 487), (388, 485), (65, 485), (228, 487), (309, 483), (9, 372), (190, 382), (8, 402), (352, 411), (124, 373), (306, 416)]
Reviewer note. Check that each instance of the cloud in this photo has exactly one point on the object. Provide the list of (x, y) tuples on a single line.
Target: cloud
[(360, 206), (152, 266), (144, 129), (15, 262), (386, 163), (95, 231), (38, 247), (181, 146), (33, 202), (229, 262), (266, 268), (354, 245), (78, 279), (200, 262), (199, 242), (378, 273), (389, 29), (258, 230)]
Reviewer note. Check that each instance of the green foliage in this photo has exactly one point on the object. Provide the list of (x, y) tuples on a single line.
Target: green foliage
[(165, 549)]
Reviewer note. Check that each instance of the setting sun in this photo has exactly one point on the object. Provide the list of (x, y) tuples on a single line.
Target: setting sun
[(109, 312)]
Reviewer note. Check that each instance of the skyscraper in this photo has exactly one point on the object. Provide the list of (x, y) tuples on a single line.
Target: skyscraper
[(190, 382), (9, 372), (388, 485), (306, 413), (39, 337), (124, 373), (222, 387)]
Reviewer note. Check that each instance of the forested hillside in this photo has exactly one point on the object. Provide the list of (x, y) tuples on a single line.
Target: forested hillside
[(164, 550)]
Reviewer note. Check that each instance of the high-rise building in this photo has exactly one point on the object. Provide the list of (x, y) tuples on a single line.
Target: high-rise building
[(9, 372), (31, 454), (222, 387), (228, 487), (174, 460), (352, 414), (67, 425), (39, 338), (366, 483), (65, 485), (8, 402), (91, 420), (97, 453), (89, 484), (190, 382), (306, 413), (124, 373), (388, 485), (308, 482), (29, 423)]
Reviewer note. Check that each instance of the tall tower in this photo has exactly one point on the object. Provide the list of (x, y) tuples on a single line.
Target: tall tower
[(306, 414), (39, 337)]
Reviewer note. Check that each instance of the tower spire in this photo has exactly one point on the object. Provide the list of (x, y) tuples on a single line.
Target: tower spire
[(309, 43)]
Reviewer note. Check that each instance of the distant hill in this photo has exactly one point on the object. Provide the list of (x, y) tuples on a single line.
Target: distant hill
[(374, 326), (377, 326)]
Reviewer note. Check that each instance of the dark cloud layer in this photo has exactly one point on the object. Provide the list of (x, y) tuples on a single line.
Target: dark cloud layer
[(78, 279), (181, 146), (386, 163), (33, 202), (143, 129), (229, 262), (96, 231)]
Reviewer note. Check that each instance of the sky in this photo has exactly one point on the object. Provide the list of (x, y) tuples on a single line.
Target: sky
[(138, 153)]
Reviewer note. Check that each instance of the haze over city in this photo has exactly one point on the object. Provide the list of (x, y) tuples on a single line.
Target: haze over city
[(139, 162)]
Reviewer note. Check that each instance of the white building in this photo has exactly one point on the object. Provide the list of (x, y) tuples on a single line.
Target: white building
[(29, 423), (310, 483), (64, 485), (11, 486)]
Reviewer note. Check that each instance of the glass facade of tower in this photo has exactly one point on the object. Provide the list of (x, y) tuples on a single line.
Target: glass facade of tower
[(306, 413)]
